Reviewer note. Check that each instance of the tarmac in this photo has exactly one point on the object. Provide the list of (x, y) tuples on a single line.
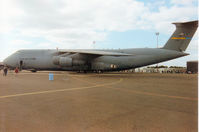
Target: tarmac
[(108, 102)]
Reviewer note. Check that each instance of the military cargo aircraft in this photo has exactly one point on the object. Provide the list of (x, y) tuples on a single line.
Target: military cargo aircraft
[(104, 60)]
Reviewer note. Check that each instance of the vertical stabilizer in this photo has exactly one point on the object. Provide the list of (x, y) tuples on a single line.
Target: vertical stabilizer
[(182, 36)]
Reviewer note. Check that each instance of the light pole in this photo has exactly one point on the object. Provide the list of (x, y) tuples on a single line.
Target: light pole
[(94, 44), (157, 34)]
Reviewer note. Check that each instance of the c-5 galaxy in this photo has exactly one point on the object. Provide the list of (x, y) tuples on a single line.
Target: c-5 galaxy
[(104, 60)]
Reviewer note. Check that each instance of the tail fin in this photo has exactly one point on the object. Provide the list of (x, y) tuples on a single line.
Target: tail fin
[(182, 36)]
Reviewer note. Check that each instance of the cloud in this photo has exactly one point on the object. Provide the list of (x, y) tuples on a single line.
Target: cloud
[(87, 17), (20, 43), (9, 14), (77, 23), (71, 23), (183, 2)]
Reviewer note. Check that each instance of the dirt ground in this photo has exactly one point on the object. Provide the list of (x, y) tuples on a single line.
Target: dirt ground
[(109, 102)]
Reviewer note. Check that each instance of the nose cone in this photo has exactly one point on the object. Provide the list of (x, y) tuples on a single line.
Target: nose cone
[(10, 61), (6, 61)]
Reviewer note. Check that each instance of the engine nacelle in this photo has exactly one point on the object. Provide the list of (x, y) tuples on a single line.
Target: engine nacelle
[(78, 62), (67, 61), (62, 61), (56, 60)]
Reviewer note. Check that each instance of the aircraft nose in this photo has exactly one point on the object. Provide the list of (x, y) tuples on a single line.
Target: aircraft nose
[(5, 61), (9, 62)]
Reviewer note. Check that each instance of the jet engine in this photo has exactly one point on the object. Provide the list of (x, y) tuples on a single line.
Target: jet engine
[(67, 61)]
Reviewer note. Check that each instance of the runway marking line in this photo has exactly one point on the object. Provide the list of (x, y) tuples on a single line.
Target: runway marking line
[(156, 94), (74, 76), (145, 93), (61, 90)]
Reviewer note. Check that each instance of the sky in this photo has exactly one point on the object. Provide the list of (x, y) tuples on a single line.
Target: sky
[(93, 24)]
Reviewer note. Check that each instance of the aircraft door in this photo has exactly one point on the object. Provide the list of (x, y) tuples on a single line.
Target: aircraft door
[(20, 65)]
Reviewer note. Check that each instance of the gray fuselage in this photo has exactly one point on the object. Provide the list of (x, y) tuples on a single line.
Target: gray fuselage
[(44, 59)]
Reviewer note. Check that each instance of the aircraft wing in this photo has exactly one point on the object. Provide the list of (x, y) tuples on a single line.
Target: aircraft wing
[(95, 52)]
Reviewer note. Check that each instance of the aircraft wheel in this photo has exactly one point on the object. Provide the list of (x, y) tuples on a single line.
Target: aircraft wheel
[(33, 71)]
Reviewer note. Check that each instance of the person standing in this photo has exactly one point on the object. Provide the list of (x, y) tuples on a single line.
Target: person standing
[(5, 71), (16, 70)]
